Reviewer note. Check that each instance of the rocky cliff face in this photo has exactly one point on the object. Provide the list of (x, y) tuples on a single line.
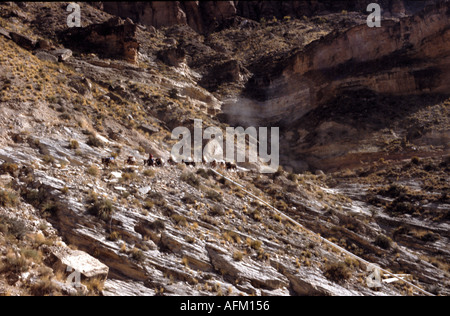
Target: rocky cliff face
[(203, 16), (409, 57), (114, 38), (199, 15)]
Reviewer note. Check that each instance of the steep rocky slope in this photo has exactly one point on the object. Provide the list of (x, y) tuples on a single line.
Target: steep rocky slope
[(178, 230)]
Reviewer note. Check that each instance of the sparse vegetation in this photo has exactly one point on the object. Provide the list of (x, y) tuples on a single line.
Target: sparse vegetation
[(214, 196), (8, 198), (191, 179), (383, 242), (73, 144), (337, 272), (102, 208), (10, 168), (93, 171), (94, 142), (238, 256)]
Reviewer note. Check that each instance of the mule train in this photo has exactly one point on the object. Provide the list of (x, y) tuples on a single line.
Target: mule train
[(159, 162)]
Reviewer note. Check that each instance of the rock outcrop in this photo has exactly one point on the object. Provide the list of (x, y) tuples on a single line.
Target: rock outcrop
[(199, 15), (114, 39), (204, 16)]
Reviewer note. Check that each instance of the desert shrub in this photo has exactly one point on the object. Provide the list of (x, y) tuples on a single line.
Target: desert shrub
[(217, 210), (426, 236), (14, 263), (137, 255), (35, 197), (128, 176), (256, 215), (73, 144), (232, 236), (383, 241), (292, 177), (209, 220), (10, 168), (93, 171), (48, 159), (214, 196), (279, 172), (282, 206), (255, 244), (415, 160), (94, 286), (149, 173), (337, 272), (158, 225), (30, 253), (8, 198), (189, 199), (179, 219), (157, 199), (398, 207), (102, 208), (173, 93), (49, 208), (190, 179), (94, 142), (114, 236), (203, 173), (13, 227), (238, 256), (393, 191)]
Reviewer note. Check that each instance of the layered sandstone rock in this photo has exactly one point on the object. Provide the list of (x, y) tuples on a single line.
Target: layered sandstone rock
[(408, 57)]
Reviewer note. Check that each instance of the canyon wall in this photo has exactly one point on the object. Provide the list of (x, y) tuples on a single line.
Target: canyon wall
[(205, 15), (400, 58)]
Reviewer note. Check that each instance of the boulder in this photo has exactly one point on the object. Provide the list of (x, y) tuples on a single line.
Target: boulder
[(68, 260), (259, 274), (44, 44), (23, 41), (5, 33), (62, 54), (44, 56), (148, 129)]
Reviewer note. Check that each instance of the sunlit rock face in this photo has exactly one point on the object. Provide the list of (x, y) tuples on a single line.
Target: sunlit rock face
[(408, 57)]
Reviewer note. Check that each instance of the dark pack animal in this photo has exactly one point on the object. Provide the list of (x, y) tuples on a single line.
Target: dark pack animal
[(189, 163), (159, 162), (108, 161), (230, 166), (149, 162), (152, 162), (171, 161), (131, 160)]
